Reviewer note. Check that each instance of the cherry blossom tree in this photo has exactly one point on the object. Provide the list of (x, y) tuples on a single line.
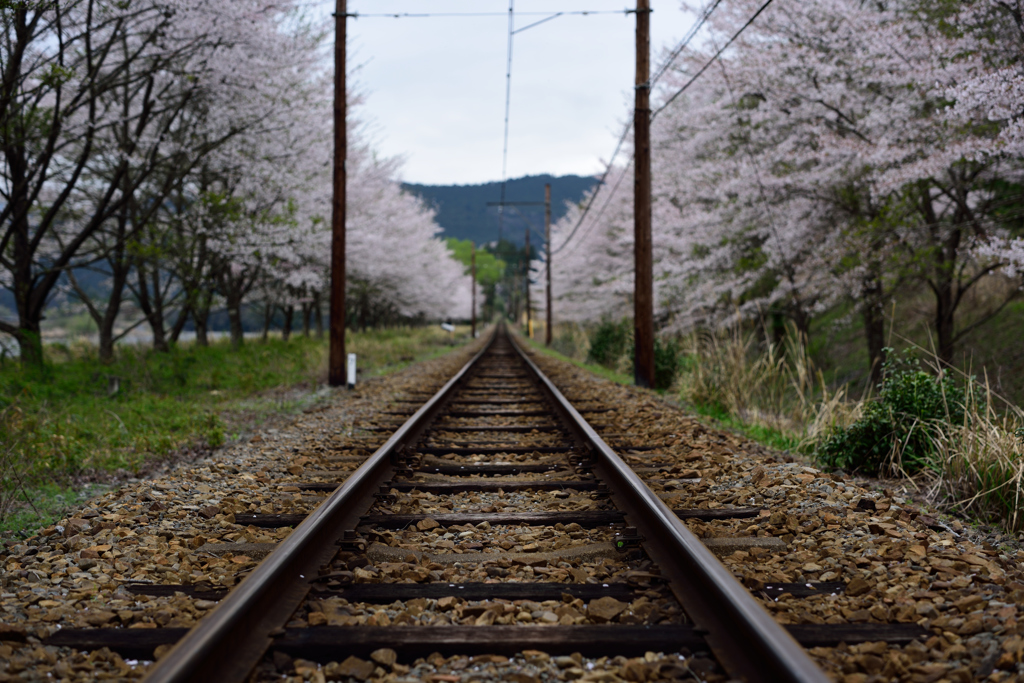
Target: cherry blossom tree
[(818, 162)]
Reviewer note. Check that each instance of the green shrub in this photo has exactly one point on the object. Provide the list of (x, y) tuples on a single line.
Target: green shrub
[(897, 430), (666, 363), (610, 342)]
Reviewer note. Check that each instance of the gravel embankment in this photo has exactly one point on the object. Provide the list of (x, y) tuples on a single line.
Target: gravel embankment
[(900, 562)]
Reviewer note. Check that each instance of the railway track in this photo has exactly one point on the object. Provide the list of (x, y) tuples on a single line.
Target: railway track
[(493, 522)]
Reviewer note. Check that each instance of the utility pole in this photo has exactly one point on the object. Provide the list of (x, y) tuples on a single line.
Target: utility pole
[(336, 372), (643, 292), (472, 272), (526, 284), (515, 285), (547, 250)]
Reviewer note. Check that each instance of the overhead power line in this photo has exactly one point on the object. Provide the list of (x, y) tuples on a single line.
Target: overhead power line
[(661, 70), (600, 184), (420, 15), (508, 101), (673, 55), (678, 50), (711, 61)]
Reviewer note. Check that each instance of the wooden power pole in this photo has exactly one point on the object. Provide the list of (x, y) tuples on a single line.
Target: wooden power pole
[(472, 272), (526, 285), (336, 375), (547, 265), (643, 292)]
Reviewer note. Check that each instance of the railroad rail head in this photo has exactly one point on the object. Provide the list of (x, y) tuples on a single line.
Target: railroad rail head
[(230, 641)]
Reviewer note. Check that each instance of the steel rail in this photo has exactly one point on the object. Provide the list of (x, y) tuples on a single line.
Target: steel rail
[(746, 639), (229, 642)]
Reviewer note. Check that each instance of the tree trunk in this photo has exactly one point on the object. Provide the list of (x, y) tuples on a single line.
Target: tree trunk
[(942, 278), (874, 333), (286, 329), (268, 316), (28, 332), (778, 328), (151, 308), (318, 317), (120, 268), (179, 323), (802, 320), (234, 303), (30, 343), (201, 318), (364, 304), (306, 310), (944, 321)]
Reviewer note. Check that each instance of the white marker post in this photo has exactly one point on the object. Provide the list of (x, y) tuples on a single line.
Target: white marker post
[(351, 371), (450, 329)]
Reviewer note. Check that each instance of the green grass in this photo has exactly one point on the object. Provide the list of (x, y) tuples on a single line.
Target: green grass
[(767, 436), (598, 370), (63, 425)]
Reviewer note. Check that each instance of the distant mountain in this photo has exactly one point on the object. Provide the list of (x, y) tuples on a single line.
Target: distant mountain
[(462, 210)]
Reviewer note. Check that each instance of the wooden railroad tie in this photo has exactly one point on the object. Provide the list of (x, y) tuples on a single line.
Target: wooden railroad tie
[(327, 643)]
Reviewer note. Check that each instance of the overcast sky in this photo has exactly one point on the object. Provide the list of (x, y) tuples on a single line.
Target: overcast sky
[(435, 86)]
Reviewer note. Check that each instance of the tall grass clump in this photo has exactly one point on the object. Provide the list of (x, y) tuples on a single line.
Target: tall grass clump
[(769, 390), (944, 432), (979, 464), (18, 475), (950, 436), (571, 340)]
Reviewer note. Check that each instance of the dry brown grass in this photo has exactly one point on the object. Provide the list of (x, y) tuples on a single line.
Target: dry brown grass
[(978, 468), (763, 383), (979, 465)]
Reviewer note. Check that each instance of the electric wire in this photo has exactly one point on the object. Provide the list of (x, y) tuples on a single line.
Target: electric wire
[(673, 55), (597, 187), (538, 23), (678, 50), (711, 61), (651, 82), (508, 102), (420, 15), (600, 212)]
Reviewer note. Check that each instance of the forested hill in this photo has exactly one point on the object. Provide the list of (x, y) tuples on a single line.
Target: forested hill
[(463, 212)]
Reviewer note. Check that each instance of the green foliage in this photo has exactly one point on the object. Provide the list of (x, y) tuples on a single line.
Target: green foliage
[(65, 421), (667, 363), (610, 341), (898, 428), (489, 270)]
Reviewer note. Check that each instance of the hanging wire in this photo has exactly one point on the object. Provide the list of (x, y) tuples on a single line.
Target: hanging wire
[(711, 61), (658, 74), (420, 15), (508, 102), (625, 133)]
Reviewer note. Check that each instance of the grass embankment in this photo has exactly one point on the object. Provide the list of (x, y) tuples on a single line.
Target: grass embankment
[(571, 344), (948, 435), (77, 420)]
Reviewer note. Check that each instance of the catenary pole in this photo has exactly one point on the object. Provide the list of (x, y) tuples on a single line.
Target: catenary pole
[(336, 362), (643, 293), (526, 284), (547, 249), (472, 271)]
